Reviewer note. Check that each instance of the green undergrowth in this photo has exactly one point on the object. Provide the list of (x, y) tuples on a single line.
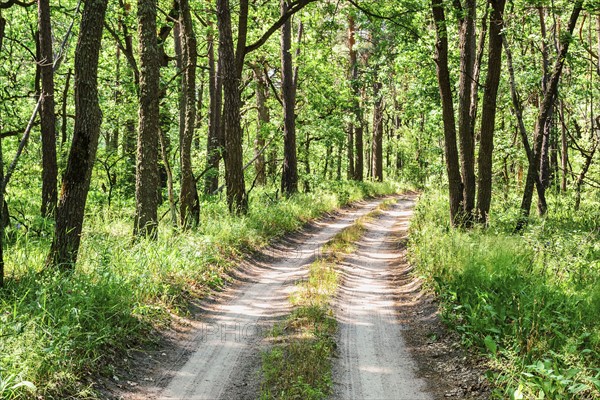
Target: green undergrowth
[(298, 366), (530, 302), (58, 332)]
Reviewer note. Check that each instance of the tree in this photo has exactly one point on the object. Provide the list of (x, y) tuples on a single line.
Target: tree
[(488, 114), (47, 115), (232, 63), (147, 179), (88, 117), (455, 185), (188, 198), (289, 176), (214, 142)]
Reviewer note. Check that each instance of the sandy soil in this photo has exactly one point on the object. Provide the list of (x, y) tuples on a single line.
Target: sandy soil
[(374, 362)]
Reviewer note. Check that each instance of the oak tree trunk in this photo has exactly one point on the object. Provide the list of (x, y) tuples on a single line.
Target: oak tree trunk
[(488, 114), (289, 176), (88, 117), (455, 188), (188, 197), (147, 181), (47, 115)]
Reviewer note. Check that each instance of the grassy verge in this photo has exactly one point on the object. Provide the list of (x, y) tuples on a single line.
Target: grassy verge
[(298, 366), (529, 302), (57, 332)]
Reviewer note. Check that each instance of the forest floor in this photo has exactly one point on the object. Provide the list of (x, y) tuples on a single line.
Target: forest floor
[(391, 342)]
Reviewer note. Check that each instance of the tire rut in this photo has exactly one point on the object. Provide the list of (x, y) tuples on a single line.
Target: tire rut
[(373, 361)]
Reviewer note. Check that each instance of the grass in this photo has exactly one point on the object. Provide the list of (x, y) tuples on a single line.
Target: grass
[(298, 366), (57, 332), (530, 302)]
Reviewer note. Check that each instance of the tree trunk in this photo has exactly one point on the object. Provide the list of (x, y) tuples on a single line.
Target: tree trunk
[(543, 117), (466, 139), (450, 149), (237, 199), (351, 69), (532, 180), (147, 181), (188, 198), (88, 117), (264, 119), (289, 176), (564, 160), (377, 149), (47, 114), (214, 140), (488, 114)]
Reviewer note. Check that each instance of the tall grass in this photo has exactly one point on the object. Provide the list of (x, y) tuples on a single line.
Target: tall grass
[(531, 302), (59, 331)]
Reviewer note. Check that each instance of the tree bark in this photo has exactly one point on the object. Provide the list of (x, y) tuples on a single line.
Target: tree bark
[(466, 139), (147, 176), (47, 114), (488, 114), (232, 64), (455, 188), (289, 176), (88, 117), (188, 197), (264, 118), (377, 149), (214, 140)]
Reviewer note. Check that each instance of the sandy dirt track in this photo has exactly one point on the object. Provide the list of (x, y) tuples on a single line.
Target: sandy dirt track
[(373, 361), (228, 339)]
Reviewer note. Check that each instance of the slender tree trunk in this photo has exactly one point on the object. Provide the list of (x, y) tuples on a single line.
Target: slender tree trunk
[(377, 152), (214, 141), (544, 115), (47, 114), (450, 149), (466, 139), (63, 127), (237, 199), (544, 170), (488, 114), (264, 119), (351, 69), (188, 198), (88, 117), (289, 177), (532, 180), (147, 175), (564, 161)]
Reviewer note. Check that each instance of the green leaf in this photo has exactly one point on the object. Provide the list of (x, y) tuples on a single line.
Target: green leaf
[(490, 344)]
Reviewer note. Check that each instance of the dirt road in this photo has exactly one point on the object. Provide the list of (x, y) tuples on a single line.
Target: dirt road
[(385, 325), (373, 361), (226, 361)]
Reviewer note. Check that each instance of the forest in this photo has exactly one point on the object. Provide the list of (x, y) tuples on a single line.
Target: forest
[(147, 147)]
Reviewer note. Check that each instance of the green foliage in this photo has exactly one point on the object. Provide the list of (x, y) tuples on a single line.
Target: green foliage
[(530, 302)]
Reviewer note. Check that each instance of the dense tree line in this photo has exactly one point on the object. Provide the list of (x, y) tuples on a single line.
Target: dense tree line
[(198, 98)]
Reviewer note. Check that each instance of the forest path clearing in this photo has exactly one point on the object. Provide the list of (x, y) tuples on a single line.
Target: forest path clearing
[(221, 357), (373, 361)]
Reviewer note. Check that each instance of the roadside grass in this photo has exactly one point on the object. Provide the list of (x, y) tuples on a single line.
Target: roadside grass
[(298, 366), (59, 331), (530, 302)]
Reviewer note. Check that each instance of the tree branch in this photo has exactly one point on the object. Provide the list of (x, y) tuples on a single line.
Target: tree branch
[(294, 8)]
